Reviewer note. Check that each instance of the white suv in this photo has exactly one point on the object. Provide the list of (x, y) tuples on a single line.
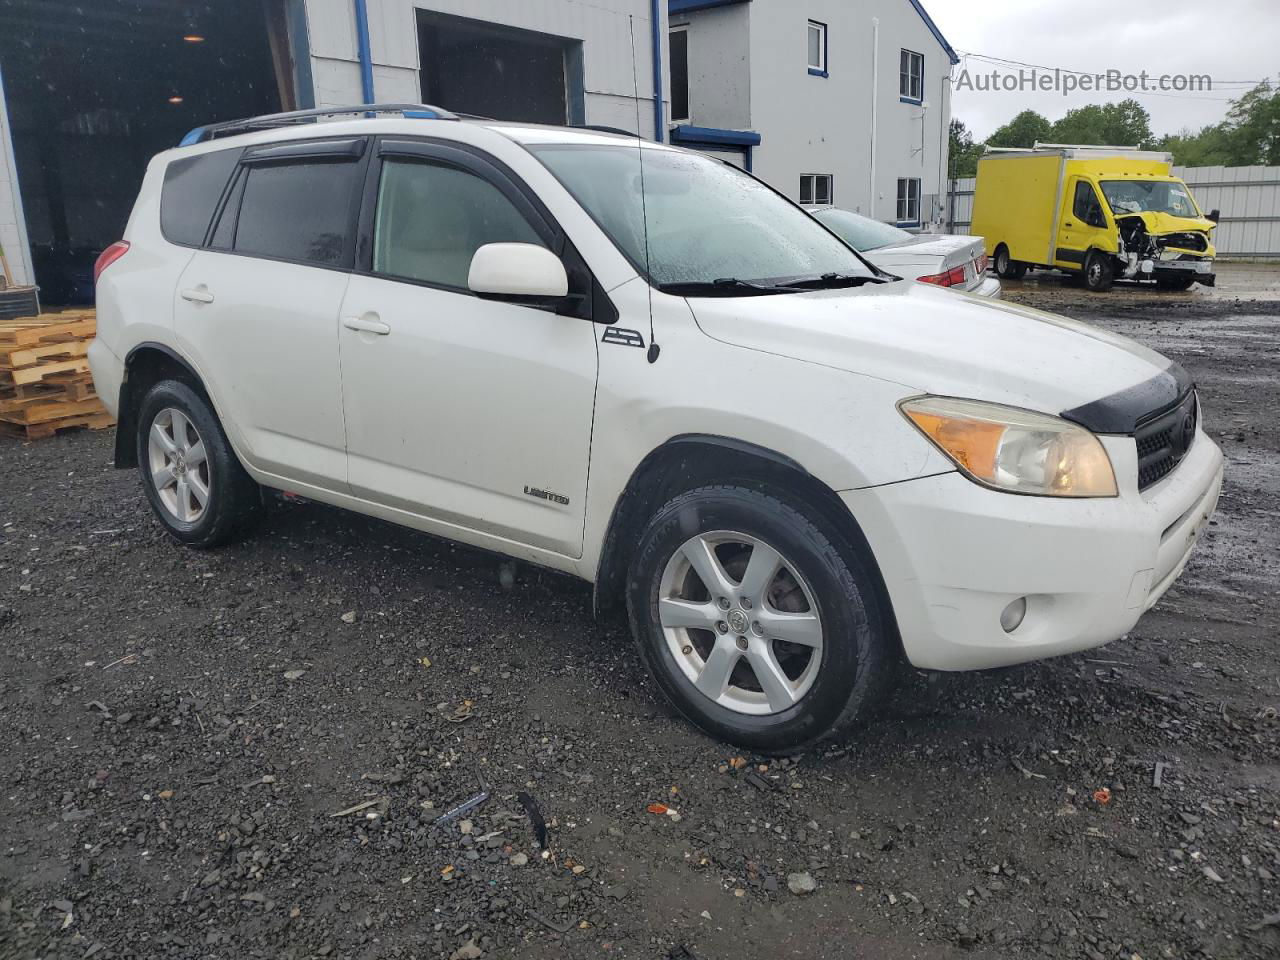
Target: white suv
[(643, 367)]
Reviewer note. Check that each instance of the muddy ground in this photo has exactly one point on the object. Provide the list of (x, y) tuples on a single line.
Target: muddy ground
[(179, 732)]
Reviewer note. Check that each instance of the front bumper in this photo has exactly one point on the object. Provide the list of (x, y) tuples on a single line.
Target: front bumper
[(954, 555)]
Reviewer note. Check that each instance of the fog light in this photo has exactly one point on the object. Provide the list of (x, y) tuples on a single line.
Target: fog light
[(1011, 616)]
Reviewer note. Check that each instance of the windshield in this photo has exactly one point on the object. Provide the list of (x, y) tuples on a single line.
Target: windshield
[(1156, 196), (861, 233), (707, 220)]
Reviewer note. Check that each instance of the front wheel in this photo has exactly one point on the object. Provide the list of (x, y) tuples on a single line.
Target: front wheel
[(192, 478), (1098, 272), (754, 624)]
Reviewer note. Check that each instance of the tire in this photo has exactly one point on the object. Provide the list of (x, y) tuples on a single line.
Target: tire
[(817, 689), (1098, 274), (1174, 284), (1008, 268), (173, 477)]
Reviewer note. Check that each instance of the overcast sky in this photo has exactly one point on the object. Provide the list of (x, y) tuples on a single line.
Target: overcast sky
[(1231, 40)]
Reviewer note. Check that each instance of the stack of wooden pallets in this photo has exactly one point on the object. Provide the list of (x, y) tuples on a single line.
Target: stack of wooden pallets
[(45, 384)]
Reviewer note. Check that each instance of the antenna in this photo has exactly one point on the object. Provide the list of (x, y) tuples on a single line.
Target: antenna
[(654, 349)]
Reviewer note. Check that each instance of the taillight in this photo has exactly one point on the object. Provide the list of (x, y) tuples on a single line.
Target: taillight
[(980, 264), (952, 278), (109, 256)]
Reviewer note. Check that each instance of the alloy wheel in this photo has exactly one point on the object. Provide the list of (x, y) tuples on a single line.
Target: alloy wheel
[(179, 465), (740, 622)]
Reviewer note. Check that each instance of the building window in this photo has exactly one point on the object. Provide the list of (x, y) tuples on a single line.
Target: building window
[(909, 201), (817, 48), (911, 77), (679, 74), (815, 189)]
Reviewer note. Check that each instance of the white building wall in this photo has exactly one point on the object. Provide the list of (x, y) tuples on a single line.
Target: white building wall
[(13, 228), (603, 26), (813, 124), (719, 45)]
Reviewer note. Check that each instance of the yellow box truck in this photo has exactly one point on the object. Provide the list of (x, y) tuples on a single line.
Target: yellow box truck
[(1101, 213)]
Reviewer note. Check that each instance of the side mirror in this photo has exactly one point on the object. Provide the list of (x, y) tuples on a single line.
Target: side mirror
[(1213, 215), (518, 272)]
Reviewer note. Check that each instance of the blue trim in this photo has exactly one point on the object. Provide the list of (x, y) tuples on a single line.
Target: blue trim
[(912, 101), (747, 152), (937, 34), (818, 73), (300, 46), (362, 49), (194, 136), (689, 6), (714, 136), (659, 120)]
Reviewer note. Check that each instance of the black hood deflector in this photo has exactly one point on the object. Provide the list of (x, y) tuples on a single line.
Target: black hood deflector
[(1124, 412)]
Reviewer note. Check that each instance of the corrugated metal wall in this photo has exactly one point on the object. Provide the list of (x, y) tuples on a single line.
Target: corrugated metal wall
[(1248, 199)]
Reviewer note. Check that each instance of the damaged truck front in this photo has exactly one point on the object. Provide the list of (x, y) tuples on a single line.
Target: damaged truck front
[(1172, 247), (1099, 213)]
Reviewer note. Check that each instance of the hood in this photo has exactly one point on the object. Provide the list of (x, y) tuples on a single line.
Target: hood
[(948, 343), (1160, 223)]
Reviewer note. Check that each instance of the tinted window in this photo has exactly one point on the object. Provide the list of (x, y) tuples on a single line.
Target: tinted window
[(679, 74), (298, 211), (1086, 205), (431, 219), (192, 188)]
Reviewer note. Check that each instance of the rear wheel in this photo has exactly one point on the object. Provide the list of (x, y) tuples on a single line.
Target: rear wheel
[(192, 478), (752, 622), (1007, 267), (1098, 272)]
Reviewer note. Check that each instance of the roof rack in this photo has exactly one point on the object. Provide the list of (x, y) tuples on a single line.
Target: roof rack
[(414, 111), (602, 128)]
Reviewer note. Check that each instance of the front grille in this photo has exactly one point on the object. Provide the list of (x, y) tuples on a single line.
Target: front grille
[(1164, 440)]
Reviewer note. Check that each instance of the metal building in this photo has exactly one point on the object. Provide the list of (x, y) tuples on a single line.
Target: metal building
[(88, 92)]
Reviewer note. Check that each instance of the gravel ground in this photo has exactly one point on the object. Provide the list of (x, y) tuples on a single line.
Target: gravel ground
[(242, 753)]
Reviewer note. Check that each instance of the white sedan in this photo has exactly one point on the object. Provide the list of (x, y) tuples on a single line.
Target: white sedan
[(946, 260)]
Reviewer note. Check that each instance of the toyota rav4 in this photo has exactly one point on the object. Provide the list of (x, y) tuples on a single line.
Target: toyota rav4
[(646, 368)]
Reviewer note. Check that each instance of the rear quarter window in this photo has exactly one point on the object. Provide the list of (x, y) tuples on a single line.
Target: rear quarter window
[(190, 194)]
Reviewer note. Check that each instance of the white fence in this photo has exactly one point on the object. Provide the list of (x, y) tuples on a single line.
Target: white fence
[(1248, 199)]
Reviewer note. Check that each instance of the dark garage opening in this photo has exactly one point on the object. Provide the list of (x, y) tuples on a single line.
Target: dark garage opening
[(504, 73), (94, 90)]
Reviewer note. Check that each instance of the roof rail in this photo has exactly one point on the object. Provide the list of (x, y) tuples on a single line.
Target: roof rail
[(602, 128), (415, 111)]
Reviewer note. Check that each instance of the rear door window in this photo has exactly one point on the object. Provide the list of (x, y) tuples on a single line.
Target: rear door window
[(299, 211), (192, 188)]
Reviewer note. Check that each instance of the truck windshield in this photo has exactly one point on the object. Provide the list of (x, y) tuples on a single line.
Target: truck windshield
[(1155, 196), (708, 223)]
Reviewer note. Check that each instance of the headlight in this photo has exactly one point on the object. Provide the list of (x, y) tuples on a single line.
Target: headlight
[(1015, 450)]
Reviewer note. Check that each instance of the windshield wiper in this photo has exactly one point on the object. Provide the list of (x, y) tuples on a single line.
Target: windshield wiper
[(831, 281), (723, 287)]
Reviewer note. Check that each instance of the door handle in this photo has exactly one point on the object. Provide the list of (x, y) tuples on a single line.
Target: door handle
[(1068, 223), (198, 294), (366, 325)]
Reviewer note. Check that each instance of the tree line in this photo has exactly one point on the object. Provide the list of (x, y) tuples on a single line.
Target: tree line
[(1248, 135)]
